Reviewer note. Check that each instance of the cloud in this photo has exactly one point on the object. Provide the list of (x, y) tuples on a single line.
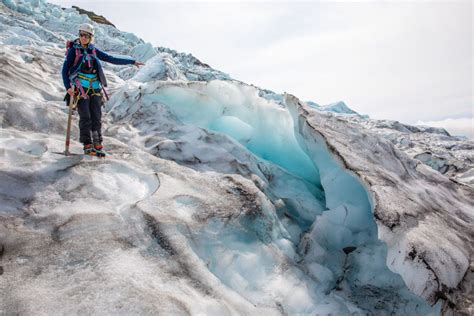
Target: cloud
[(456, 127)]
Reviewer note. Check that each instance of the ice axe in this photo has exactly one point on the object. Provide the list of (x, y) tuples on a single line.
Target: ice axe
[(72, 105)]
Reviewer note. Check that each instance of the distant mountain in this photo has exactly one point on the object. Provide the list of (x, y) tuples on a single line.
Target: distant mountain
[(337, 107)]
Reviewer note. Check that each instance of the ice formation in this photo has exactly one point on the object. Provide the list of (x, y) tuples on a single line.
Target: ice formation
[(217, 198)]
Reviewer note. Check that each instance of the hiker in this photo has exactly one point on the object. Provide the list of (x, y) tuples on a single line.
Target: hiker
[(84, 78)]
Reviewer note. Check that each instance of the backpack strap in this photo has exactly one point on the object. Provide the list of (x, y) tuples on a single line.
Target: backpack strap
[(68, 45), (78, 55), (74, 45), (105, 93), (94, 53), (88, 56)]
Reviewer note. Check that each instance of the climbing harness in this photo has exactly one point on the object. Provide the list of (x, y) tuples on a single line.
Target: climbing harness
[(89, 81), (80, 78)]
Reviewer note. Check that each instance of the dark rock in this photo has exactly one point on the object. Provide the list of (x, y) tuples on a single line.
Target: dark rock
[(94, 17), (348, 250)]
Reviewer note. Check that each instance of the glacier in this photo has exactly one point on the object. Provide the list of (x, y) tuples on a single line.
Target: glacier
[(218, 197)]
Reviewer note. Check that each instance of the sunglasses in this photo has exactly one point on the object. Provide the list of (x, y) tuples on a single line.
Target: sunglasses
[(86, 35)]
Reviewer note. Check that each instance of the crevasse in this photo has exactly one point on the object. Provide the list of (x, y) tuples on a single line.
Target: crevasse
[(337, 260)]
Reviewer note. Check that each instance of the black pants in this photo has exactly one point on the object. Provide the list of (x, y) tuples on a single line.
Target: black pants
[(90, 115)]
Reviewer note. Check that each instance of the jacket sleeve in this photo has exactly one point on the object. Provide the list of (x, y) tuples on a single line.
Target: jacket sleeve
[(71, 54), (112, 59)]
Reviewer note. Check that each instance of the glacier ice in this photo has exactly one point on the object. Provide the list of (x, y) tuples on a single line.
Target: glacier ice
[(218, 197), (345, 221)]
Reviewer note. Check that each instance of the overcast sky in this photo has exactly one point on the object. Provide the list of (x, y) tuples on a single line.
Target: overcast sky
[(410, 61)]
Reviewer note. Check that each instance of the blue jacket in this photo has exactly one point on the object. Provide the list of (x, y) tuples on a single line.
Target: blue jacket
[(69, 70)]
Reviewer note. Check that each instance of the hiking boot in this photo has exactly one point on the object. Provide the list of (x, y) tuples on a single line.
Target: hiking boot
[(89, 150), (99, 150)]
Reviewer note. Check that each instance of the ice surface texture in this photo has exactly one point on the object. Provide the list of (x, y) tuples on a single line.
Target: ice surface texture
[(218, 197)]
